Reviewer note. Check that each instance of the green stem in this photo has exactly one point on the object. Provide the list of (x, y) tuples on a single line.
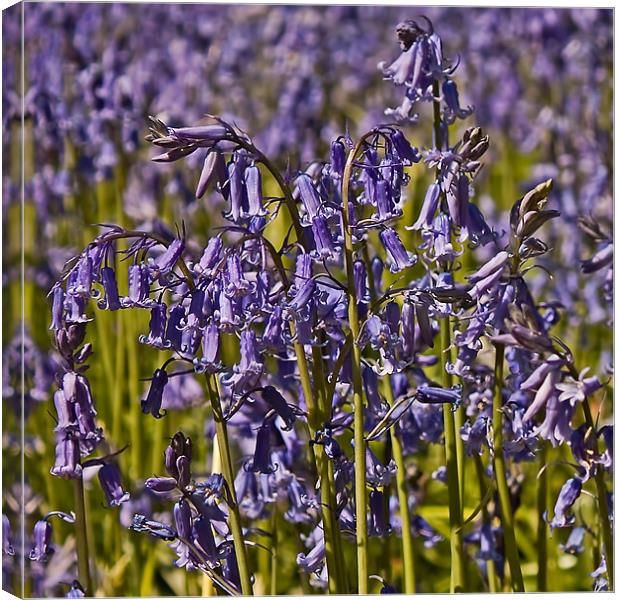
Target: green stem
[(227, 468), (358, 401), (81, 537), (403, 505), (510, 542), (332, 527), (541, 500), (486, 519), (457, 577)]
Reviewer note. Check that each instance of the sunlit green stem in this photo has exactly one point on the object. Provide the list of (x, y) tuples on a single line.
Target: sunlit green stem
[(409, 567), (486, 519), (541, 501), (457, 578), (510, 542), (81, 537), (361, 512), (227, 468)]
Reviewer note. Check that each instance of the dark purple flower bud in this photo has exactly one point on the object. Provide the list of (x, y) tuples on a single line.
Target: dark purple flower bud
[(407, 330), (360, 281), (166, 261), (308, 195), (42, 535), (427, 394), (276, 402), (7, 542), (323, 239), (58, 297), (203, 536), (152, 403), (261, 463), (398, 257), (378, 525), (161, 485), (154, 528), (376, 266), (424, 323), (214, 168), (403, 148), (451, 98), (108, 280), (67, 463), (568, 495), (183, 467), (174, 336), (210, 134), (183, 519), (170, 462), (338, 158), (254, 186), (110, 480)]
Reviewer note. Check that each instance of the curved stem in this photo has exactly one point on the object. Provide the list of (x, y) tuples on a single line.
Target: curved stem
[(409, 569), (227, 468), (510, 543), (457, 578)]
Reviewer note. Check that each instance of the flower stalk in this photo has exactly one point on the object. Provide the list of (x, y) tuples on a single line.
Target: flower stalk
[(499, 465), (227, 468), (358, 402), (81, 536), (457, 577)]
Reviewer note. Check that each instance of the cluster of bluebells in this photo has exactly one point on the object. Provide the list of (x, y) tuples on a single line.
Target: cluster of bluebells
[(280, 300)]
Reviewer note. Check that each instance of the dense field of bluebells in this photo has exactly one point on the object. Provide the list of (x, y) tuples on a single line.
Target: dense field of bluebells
[(308, 300)]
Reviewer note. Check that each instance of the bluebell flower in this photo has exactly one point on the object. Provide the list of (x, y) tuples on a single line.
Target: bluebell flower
[(152, 403), (567, 497), (110, 480), (42, 534), (398, 257)]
